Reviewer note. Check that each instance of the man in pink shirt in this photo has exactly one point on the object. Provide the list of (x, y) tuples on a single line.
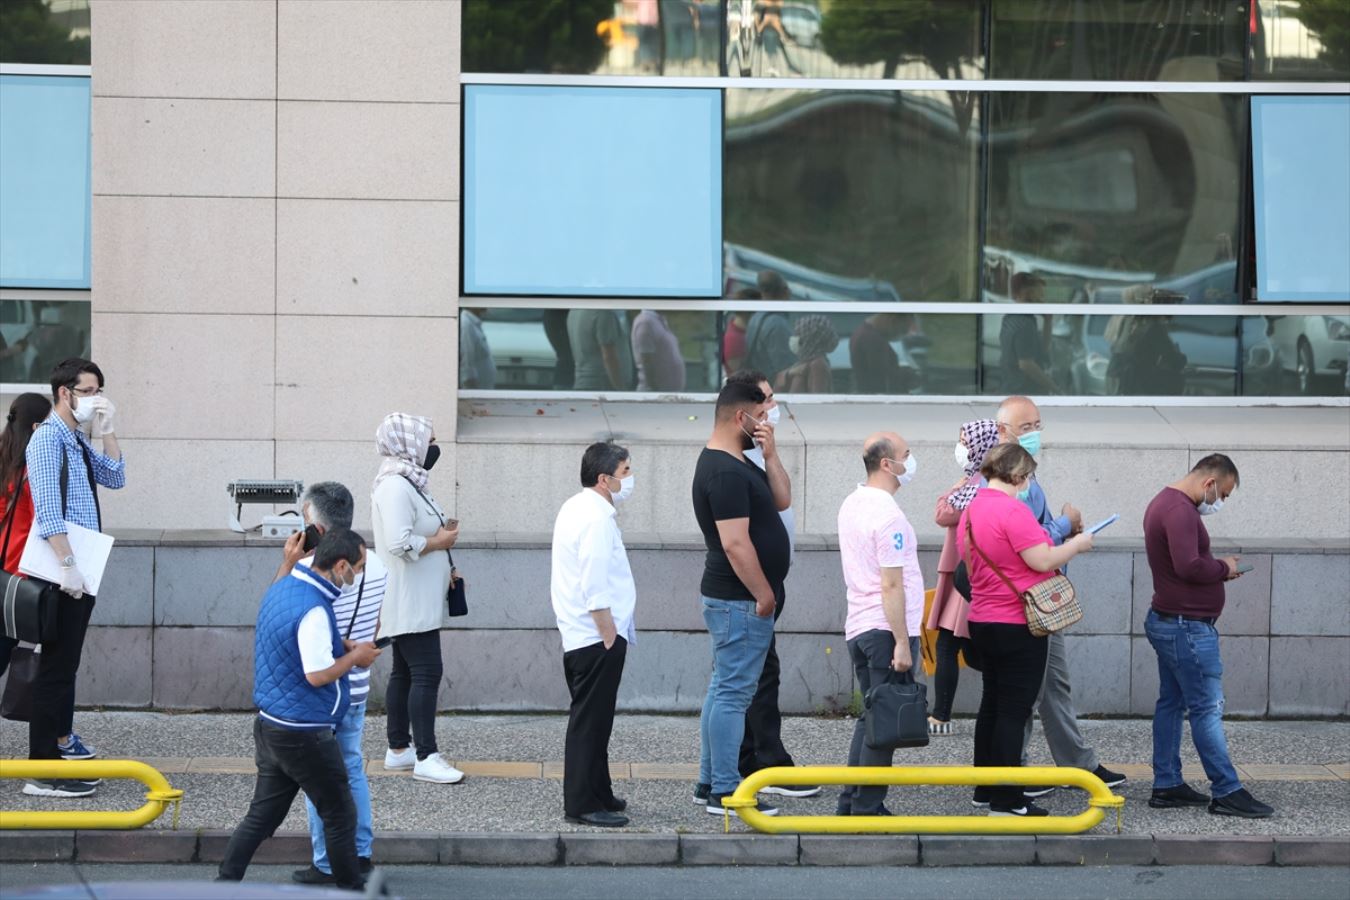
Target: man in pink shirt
[(885, 595)]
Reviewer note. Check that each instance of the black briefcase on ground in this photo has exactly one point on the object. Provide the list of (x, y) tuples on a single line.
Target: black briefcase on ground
[(897, 716)]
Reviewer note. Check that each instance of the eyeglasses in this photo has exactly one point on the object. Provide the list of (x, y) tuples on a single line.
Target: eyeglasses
[(86, 392)]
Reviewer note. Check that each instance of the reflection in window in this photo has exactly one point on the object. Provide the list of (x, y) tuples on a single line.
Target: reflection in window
[(1132, 355), (1097, 194), (45, 32), (1119, 40), (584, 37), (37, 334), (841, 195), (1311, 352), (1301, 40)]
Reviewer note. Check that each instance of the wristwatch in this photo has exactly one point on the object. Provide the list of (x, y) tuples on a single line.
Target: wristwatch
[(68, 562)]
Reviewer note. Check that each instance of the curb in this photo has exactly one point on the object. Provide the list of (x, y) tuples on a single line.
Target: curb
[(630, 849)]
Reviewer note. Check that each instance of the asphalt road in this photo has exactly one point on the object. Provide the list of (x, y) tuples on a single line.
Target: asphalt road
[(538, 882)]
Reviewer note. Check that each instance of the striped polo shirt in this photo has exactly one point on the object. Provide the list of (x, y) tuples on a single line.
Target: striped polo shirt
[(358, 624)]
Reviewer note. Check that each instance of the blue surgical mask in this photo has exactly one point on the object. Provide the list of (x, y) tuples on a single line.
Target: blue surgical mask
[(1031, 442), (1024, 495), (1209, 507)]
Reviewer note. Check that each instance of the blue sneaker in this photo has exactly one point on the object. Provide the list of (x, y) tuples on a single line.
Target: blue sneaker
[(76, 749)]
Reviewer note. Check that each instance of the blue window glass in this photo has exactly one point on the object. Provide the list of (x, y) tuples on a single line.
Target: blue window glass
[(44, 181), (587, 191), (1299, 152)]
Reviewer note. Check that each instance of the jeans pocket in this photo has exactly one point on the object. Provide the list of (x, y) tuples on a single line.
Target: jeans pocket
[(717, 618)]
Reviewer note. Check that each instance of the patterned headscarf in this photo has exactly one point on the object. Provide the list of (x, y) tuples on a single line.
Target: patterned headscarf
[(981, 437), (815, 337), (403, 441)]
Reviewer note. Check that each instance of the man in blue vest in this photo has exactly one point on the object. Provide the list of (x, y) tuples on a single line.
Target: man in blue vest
[(300, 666)]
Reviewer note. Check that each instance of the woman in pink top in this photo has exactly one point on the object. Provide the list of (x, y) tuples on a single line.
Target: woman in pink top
[(999, 534), (948, 615)]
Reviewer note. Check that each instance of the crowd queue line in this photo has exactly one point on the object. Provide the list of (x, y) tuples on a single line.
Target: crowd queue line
[(334, 608)]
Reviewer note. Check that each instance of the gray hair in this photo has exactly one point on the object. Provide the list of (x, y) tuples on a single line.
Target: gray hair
[(330, 505)]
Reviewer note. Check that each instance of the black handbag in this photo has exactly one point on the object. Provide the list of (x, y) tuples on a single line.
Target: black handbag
[(456, 599), (897, 715), (17, 702), (28, 606)]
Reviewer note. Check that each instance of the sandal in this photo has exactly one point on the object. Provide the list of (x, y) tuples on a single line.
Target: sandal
[(937, 727)]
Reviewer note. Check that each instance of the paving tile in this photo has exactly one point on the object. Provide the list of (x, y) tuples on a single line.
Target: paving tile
[(1287, 773), (500, 769), (167, 765), (667, 771), (1340, 770), (222, 765)]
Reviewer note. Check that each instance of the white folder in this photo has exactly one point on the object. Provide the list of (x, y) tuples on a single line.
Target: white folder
[(91, 549)]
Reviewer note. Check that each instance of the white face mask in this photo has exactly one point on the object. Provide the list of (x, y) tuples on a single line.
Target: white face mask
[(1207, 508), (911, 466), (773, 415), (795, 344), (962, 456), (84, 411), (625, 489)]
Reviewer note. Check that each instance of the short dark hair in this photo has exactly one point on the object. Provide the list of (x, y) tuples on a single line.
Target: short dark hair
[(601, 458), (1023, 281), (752, 377), (874, 453), (331, 503), (1008, 463), (68, 372), (336, 545), (737, 395), (1219, 466)]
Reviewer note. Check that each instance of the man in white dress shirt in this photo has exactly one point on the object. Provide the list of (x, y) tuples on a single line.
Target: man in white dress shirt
[(593, 598)]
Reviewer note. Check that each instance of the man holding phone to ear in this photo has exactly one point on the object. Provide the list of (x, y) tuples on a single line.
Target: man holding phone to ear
[(326, 506), (1188, 597)]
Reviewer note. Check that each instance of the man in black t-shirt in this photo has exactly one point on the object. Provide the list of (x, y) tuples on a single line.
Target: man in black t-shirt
[(743, 574)]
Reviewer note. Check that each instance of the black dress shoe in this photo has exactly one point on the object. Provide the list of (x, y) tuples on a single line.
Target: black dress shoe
[(312, 875), (618, 804), (1177, 797), (600, 819), (366, 865)]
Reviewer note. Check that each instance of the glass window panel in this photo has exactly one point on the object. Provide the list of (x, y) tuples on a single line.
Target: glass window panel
[(851, 195), (37, 334), (592, 191), (1309, 353), (44, 181), (1116, 355), (1115, 197), (45, 32), (560, 349), (583, 37), (1301, 40), (854, 39), (1301, 172), (1119, 40)]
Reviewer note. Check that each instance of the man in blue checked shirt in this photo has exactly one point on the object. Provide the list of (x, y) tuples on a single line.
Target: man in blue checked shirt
[(60, 455)]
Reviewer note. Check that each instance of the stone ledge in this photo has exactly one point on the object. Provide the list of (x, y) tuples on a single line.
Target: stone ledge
[(525, 849), (859, 850), (37, 846), (133, 847), (1214, 850), (738, 849), (1095, 850), (584, 848), (1311, 850), (977, 850)]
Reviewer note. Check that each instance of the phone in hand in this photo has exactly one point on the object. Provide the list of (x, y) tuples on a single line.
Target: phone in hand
[(383, 642), (1244, 568), (452, 524)]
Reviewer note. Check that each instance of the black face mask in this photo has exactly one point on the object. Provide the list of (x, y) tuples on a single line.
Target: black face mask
[(433, 454), (312, 537)]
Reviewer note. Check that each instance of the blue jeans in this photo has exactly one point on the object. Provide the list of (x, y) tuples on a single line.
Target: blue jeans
[(348, 736), (1190, 683), (740, 641)]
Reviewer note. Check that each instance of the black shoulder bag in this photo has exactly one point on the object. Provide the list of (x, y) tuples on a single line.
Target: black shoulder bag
[(455, 599), (28, 610)]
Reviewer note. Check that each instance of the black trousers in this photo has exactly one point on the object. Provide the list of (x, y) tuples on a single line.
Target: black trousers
[(762, 746), (291, 760), (871, 653), (54, 690), (1013, 663), (593, 675), (946, 674), (410, 698)]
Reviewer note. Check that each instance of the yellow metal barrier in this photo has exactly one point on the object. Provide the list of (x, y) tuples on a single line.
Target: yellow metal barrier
[(1100, 799), (160, 795)]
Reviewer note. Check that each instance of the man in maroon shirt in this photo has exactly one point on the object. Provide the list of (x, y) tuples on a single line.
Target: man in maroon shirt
[(1188, 596)]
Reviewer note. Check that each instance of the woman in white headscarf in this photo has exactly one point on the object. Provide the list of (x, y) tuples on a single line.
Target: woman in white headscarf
[(413, 539)]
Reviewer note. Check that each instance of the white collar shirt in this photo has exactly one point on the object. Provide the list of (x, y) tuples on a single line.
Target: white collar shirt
[(590, 571)]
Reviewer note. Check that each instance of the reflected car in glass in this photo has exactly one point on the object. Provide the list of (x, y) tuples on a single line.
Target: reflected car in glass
[(1313, 350)]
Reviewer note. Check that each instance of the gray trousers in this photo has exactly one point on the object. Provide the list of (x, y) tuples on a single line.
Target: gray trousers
[(1059, 720), (871, 653)]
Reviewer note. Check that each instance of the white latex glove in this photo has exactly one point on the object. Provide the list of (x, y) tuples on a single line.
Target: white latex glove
[(103, 418), (72, 582)]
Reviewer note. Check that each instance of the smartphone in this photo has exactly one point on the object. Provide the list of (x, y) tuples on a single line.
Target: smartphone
[(1093, 529), (452, 524), (383, 642), (1244, 568), (312, 537)]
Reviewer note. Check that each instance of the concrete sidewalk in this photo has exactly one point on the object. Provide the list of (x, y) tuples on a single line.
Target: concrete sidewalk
[(510, 807)]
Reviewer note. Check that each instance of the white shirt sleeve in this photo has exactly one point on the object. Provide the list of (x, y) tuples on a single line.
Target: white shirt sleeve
[(316, 641)]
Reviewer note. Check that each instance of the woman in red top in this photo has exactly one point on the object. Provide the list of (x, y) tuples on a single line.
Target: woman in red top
[(26, 413), (1007, 539)]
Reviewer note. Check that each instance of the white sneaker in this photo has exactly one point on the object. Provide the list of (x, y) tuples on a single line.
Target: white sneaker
[(437, 770), (400, 759)]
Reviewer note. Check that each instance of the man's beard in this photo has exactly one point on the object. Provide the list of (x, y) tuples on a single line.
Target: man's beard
[(747, 442)]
